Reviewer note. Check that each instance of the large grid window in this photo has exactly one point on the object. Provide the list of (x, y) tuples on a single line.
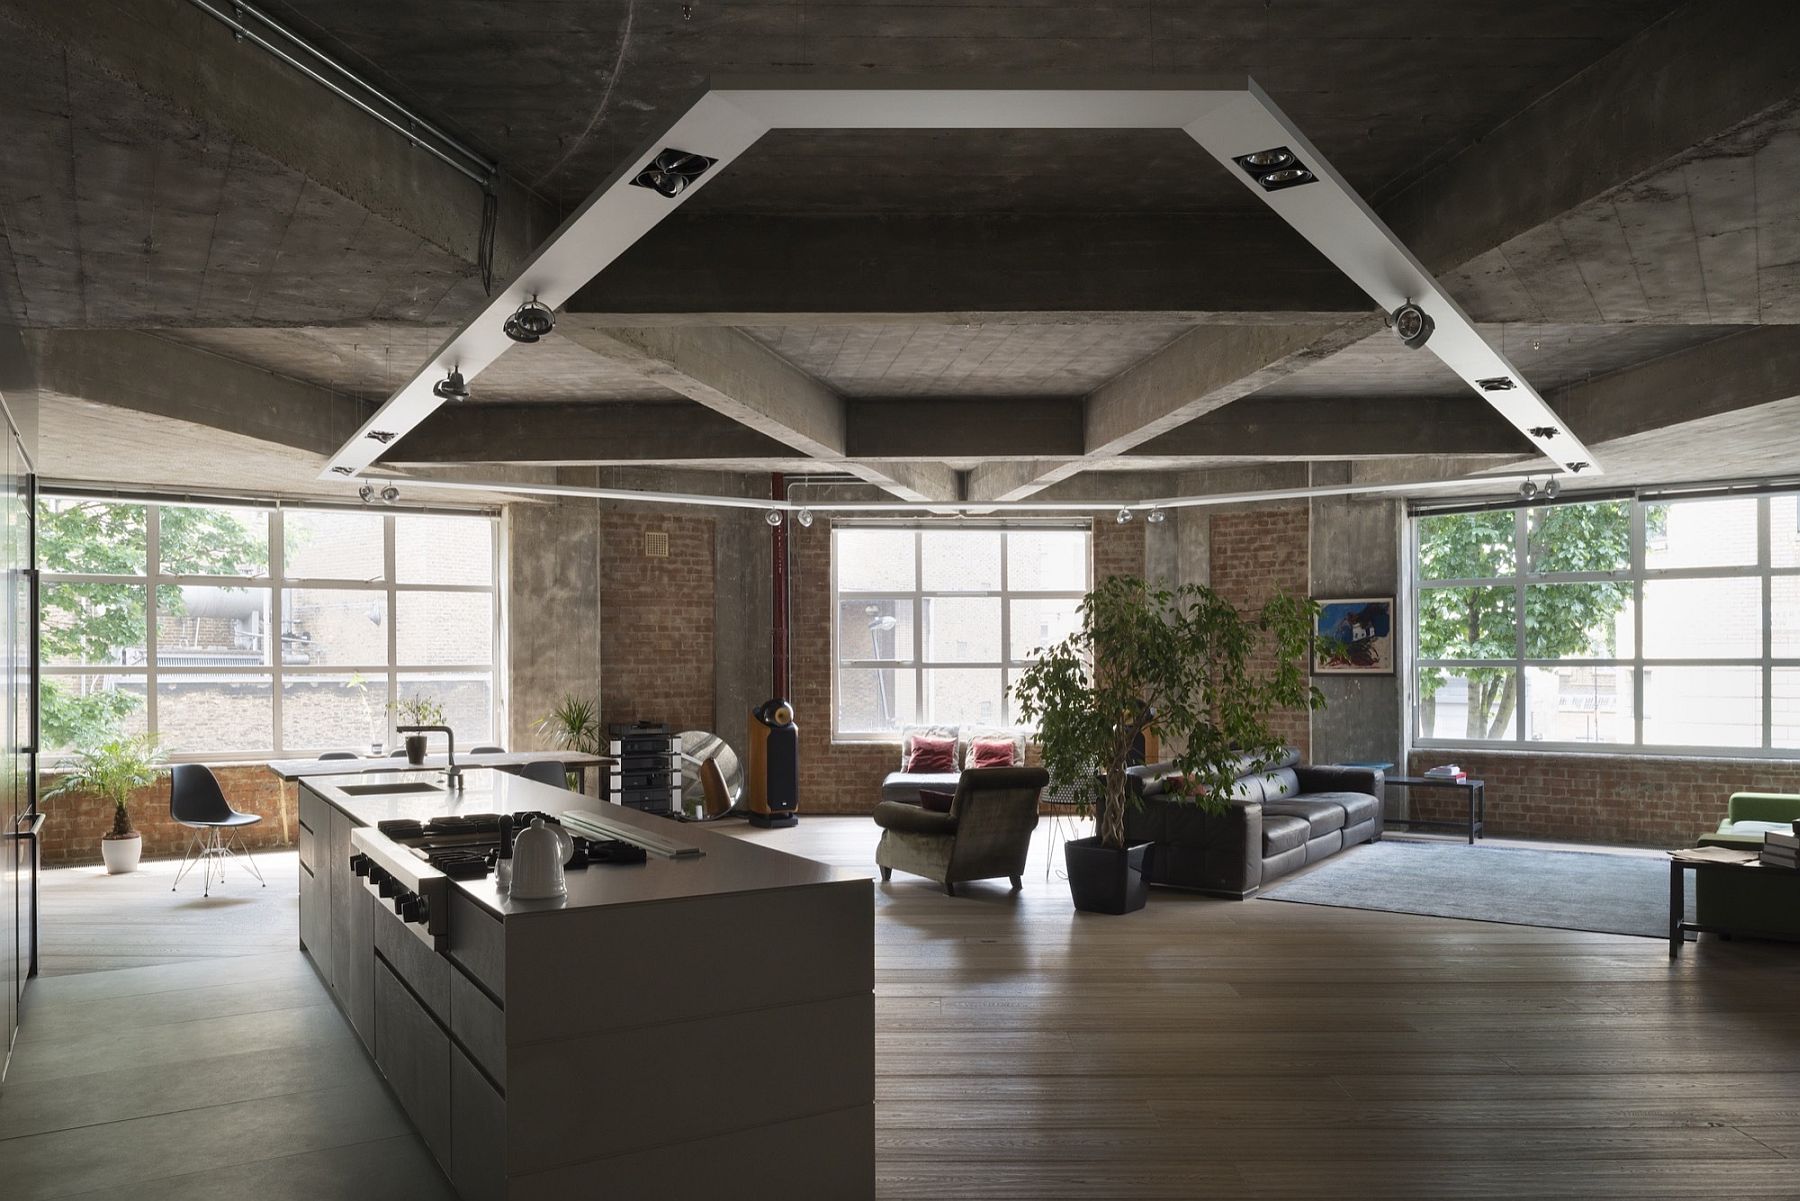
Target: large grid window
[(933, 623), (1651, 624), (237, 632)]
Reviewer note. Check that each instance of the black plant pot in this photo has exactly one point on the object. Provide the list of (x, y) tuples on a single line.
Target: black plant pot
[(1102, 880), (415, 749)]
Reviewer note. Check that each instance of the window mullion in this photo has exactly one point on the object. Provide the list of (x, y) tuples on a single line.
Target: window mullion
[(1764, 558), (273, 643), (1637, 624), (152, 576), (1521, 563)]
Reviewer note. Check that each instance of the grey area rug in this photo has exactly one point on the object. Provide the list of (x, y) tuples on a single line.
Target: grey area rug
[(1565, 890)]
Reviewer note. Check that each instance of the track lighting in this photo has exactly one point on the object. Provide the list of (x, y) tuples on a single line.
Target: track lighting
[(1412, 325), (367, 493), (1551, 488), (1528, 490), (804, 517), (451, 387), (773, 517), (1274, 169), (529, 322), (390, 494), (673, 171), (1124, 517), (1156, 516)]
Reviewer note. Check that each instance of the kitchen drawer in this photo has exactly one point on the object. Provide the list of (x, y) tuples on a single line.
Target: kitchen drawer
[(315, 920), (313, 811), (477, 1164), (309, 851), (478, 943), (413, 1052), (479, 1025), (424, 970)]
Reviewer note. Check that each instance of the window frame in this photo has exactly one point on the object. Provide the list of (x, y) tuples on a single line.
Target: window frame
[(276, 583), (1637, 574), (918, 595)]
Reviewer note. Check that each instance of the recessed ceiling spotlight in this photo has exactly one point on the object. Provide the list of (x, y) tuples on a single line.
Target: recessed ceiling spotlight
[(1274, 169), (673, 171), (1576, 468), (1544, 431), (452, 387), (1412, 325), (1495, 383), (367, 493), (773, 517), (530, 322), (382, 436), (1156, 516), (804, 517), (1124, 517), (341, 470)]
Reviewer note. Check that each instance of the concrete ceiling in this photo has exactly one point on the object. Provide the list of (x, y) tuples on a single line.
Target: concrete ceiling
[(952, 314)]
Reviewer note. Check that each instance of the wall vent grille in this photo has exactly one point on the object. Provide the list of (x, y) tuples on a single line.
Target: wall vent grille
[(656, 544)]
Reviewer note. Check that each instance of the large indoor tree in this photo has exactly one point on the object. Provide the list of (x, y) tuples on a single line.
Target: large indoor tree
[(1477, 621), (104, 622)]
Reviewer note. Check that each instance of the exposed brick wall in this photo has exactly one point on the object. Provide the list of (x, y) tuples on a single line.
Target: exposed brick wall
[(1256, 553), (846, 777), (656, 621), (74, 823), (1643, 799)]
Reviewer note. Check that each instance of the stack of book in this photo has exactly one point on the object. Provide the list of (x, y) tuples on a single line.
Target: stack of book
[(1782, 848), (1447, 771)]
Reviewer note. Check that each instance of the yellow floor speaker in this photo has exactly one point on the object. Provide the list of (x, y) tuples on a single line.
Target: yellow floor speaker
[(773, 787)]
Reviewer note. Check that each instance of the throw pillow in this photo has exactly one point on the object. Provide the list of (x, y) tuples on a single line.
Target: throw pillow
[(936, 800), (932, 755), (991, 752)]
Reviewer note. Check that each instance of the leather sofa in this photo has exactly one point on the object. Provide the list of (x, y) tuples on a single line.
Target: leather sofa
[(1278, 820)]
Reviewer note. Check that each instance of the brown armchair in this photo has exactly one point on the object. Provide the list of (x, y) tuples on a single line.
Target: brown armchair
[(986, 834)]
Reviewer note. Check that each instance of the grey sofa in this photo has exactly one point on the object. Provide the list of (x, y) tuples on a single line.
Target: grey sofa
[(905, 786), (1278, 819)]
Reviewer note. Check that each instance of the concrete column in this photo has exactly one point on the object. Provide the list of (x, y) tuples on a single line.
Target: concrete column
[(743, 608), (552, 610)]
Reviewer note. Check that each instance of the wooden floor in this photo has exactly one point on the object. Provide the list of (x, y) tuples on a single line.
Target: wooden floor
[(1200, 1048)]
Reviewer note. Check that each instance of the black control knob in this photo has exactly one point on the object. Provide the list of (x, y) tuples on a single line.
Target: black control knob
[(390, 887), (412, 908), (359, 864), (403, 899)]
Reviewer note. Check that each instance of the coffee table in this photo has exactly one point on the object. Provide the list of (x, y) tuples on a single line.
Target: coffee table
[(1680, 927), (1476, 824)]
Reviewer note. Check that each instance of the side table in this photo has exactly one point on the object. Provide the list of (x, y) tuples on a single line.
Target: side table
[(1477, 794), (1680, 927)]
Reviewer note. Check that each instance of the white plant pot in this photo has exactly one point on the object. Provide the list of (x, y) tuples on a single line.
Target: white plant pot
[(121, 854)]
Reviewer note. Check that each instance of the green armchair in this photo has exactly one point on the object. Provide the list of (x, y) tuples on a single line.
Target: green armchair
[(1750, 901), (986, 834)]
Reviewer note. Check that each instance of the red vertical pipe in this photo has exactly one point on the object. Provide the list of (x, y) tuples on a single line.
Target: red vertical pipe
[(778, 539)]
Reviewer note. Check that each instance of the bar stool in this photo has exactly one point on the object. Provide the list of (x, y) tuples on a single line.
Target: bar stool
[(197, 802)]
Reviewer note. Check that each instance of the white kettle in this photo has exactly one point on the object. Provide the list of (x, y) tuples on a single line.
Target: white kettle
[(539, 852)]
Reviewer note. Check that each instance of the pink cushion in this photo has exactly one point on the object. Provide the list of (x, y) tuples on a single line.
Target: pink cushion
[(932, 755), (991, 752), (936, 800)]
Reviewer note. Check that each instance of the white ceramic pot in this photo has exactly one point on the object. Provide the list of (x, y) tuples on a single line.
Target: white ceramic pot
[(121, 854)]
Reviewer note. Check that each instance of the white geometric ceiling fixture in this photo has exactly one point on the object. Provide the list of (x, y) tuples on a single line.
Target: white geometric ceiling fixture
[(1232, 119)]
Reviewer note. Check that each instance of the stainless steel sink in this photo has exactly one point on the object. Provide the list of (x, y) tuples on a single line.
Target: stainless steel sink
[(388, 789)]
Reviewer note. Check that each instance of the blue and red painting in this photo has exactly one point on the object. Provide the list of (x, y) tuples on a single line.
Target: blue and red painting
[(1355, 636)]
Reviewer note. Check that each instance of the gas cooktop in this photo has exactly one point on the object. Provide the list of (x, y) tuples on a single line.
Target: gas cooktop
[(465, 846)]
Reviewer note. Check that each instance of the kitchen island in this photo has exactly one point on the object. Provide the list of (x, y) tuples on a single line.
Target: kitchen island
[(698, 1026)]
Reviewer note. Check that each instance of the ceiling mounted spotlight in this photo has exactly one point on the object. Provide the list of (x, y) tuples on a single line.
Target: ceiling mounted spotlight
[(451, 387), (1528, 490), (1544, 431), (1576, 468), (1412, 325), (804, 517), (1274, 169), (773, 517), (1124, 517), (1156, 516), (529, 322), (382, 436), (673, 171), (1495, 383), (341, 470), (367, 493), (1551, 488), (390, 494)]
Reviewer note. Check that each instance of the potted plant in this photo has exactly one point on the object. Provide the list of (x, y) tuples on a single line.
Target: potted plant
[(113, 770), (574, 725), (1207, 676), (417, 710)]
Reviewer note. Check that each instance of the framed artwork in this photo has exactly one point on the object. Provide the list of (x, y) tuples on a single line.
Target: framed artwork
[(1355, 636)]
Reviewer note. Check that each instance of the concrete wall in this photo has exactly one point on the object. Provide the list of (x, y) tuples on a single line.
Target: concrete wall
[(551, 610)]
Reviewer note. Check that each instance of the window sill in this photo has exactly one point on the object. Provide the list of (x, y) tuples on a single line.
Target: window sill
[(1670, 754)]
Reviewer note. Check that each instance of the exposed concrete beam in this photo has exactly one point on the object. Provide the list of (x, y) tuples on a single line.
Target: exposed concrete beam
[(175, 52), (583, 434), (1332, 428), (147, 374), (994, 429), (749, 269), (1741, 371), (1705, 68)]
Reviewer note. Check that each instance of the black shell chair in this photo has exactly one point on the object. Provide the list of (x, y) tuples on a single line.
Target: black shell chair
[(197, 802), (338, 755), (553, 774)]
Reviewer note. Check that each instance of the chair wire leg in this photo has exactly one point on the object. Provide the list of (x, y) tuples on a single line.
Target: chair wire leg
[(186, 865), (241, 855)]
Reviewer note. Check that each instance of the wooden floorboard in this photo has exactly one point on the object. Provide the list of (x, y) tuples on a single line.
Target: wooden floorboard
[(1200, 1048)]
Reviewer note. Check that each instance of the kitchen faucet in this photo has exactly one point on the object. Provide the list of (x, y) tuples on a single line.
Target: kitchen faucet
[(453, 775)]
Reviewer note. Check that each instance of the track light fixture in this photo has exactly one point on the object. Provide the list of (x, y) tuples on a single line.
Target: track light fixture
[(1552, 489), (805, 518), (529, 322), (1274, 169), (773, 517), (1528, 490), (390, 494), (1156, 516), (452, 387), (673, 171), (366, 493), (1412, 325), (1124, 517)]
